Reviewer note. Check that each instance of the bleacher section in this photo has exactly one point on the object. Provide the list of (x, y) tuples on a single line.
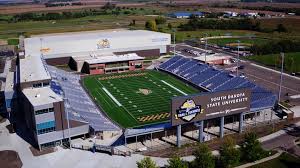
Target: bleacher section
[(78, 104), (213, 79)]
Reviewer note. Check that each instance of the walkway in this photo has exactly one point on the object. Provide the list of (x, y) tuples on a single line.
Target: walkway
[(261, 161)]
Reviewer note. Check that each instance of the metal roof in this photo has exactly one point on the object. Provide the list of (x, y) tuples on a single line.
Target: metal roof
[(114, 58), (32, 69), (41, 96), (80, 42)]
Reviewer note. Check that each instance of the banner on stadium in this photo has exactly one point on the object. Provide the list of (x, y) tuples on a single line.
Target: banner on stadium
[(186, 109)]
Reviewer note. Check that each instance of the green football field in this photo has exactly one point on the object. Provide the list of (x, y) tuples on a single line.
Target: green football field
[(137, 98)]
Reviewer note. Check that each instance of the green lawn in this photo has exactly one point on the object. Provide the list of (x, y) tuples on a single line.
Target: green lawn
[(142, 97), (185, 35), (283, 161), (291, 61), (13, 41), (244, 41)]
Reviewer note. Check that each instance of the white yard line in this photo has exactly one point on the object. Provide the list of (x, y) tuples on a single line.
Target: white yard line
[(111, 96), (173, 87)]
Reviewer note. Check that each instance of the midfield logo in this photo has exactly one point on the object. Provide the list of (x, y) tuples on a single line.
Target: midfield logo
[(103, 44), (188, 111)]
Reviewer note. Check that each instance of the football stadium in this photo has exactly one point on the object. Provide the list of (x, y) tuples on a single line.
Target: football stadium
[(108, 92)]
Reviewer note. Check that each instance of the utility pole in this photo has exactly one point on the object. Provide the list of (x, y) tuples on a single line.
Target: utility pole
[(281, 74), (238, 59)]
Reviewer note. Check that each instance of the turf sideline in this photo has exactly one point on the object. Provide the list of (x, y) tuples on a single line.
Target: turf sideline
[(111, 96), (173, 87)]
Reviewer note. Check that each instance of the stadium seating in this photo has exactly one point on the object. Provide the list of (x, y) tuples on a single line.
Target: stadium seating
[(55, 87), (78, 104), (217, 80), (213, 79)]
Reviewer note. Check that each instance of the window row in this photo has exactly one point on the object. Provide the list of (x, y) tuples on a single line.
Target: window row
[(46, 130), (45, 125), (39, 85), (43, 111)]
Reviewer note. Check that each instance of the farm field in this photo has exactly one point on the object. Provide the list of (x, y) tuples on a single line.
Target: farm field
[(136, 99), (291, 61)]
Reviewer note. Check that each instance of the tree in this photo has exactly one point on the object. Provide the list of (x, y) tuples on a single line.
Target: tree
[(151, 25), (132, 23), (170, 26), (109, 6), (251, 148), (281, 28), (146, 163), (229, 154), (160, 20), (176, 162), (203, 157)]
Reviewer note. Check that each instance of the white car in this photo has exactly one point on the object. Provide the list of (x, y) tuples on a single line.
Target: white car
[(243, 76)]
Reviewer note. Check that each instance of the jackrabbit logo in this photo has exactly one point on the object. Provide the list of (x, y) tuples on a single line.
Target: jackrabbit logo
[(188, 111), (103, 44)]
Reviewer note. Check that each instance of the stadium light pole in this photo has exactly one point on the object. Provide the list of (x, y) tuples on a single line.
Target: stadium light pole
[(238, 58), (281, 75), (174, 36), (205, 47), (68, 123)]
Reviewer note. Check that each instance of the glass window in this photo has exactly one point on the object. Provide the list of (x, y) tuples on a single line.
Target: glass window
[(46, 84), (45, 127), (37, 85), (43, 111)]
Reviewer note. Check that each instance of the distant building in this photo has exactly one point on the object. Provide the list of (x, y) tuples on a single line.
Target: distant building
[(230, 14), (185, 15), (250, 14), (215, 59)]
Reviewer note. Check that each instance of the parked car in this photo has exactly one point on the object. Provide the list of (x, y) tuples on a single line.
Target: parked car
[(241, 67)]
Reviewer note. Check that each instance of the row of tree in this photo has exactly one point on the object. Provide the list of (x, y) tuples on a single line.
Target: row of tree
[(274, 9), (152, 24), (196, 23), (260, 8), (63, 4), (55, 15), (275, 47), (230, 155), (238, 24), (107, 9)]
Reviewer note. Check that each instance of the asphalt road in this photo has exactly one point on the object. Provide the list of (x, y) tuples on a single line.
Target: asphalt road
[(285, 141), (265, 77)]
